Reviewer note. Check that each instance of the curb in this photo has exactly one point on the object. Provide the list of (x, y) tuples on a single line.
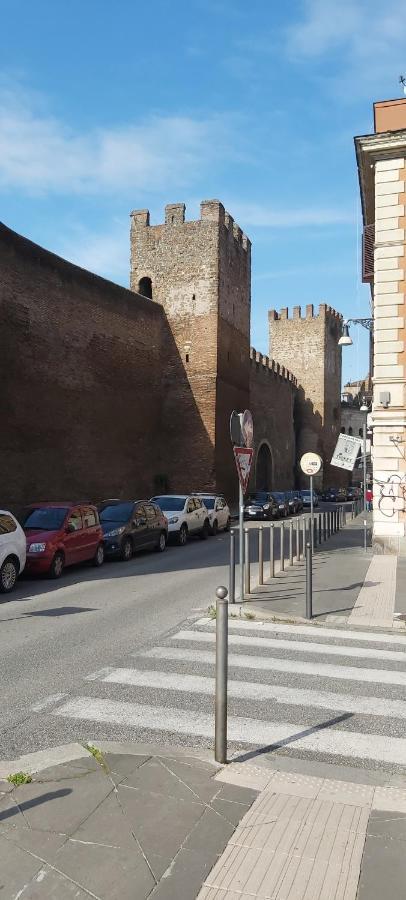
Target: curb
[(282, 618)]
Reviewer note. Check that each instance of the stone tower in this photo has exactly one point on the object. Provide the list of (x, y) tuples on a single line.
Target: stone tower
[(309, 347), (200, 272)]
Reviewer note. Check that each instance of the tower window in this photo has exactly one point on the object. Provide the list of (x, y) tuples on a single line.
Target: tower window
[(360, 432), (350, 430), (187, 357), (193, 296), (145, 287)]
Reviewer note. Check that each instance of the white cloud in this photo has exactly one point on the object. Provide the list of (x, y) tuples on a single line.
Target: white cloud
[(261, 215), (368, 35), (40, 154)]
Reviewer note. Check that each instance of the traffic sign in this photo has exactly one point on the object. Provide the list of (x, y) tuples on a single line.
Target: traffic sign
[(247, 428), (243, 460), (346, 452), (311, 463)]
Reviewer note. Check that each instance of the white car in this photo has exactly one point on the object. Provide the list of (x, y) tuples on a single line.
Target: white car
[(13, 546), (186, 514), (219, 512)]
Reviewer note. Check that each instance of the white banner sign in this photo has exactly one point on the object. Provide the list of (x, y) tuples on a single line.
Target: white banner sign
[(346, 452)]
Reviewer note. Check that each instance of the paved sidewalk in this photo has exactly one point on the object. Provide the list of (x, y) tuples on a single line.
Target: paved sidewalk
[(350, 586)]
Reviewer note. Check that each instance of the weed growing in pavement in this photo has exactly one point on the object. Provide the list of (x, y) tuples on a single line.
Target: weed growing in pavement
[(19, 778), (212, 612), (249, 615), (97, 754)]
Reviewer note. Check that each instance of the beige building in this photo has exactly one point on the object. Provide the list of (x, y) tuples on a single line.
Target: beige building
[(381, 159)]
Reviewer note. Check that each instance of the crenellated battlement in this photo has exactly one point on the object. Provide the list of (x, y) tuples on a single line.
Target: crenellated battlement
[(210, 211), (271, 367), (324, 312)]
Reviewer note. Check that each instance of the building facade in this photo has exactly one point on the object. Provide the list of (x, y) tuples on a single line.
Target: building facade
[(109, 392), (381, 159)]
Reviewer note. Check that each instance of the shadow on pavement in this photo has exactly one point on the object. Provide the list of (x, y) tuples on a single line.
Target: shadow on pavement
[(36, 801), (252, 754)]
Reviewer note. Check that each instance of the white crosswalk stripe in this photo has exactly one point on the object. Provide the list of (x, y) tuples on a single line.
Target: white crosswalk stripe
[(345, 703)]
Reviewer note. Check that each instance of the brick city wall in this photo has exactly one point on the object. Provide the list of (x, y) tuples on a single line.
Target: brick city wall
[(80, 373), (272, 400), (308, 346)]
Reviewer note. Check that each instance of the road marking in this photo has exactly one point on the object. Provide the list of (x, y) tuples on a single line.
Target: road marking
[(240, 729), (290, 666), (321, 632), (251, 690), (96, 676), (265, 643), (48, 701)]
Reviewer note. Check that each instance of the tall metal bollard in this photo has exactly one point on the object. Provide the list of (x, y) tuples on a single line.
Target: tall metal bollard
[(291, 543), (329, 524), (297, 540), (272, 550), (324, 526), (220, 705), (319, 528), (365, 535), (282, 547), (304, 536), (247, 567), (260, 555), (309, 581), (352, 510), (232, 566)]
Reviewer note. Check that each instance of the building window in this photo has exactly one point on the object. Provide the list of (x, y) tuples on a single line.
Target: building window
[(360, 432), (350, 430), (145, 287), (187, 357), (193, 296), (343, 431)]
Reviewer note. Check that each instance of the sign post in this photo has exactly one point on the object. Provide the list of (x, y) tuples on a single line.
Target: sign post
[(311, 464), (242, 435)]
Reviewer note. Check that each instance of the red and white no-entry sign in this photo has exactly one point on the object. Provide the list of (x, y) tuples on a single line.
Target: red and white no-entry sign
[(243, 460)]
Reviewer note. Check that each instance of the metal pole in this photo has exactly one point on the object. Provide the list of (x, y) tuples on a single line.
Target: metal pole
[(311, 513), (364, 429), (297, 540), (291, 543), (329, 523), (282, 547), (365, 535), (232, 566), (324, 526), (304, 536), (272, 551), (261, 554), (241, 540), (309, 581), (319, 528), (220, 717), (247, 561)]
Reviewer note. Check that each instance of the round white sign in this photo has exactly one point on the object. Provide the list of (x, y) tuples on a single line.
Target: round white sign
[(247, 428), (311, 463)]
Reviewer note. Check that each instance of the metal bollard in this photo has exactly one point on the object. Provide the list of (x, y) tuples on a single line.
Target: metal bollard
[(297, 540), (232, 566), (282, 547), (261, 554), (324, 526), (319, 528), (304, 536), (272, 551), (365, 535), (247, 567), (329, 523), (291, 543), (352, 510), (309, 581), (220, 705)]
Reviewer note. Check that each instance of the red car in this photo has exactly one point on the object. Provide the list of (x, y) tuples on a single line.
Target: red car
[(61, 534)]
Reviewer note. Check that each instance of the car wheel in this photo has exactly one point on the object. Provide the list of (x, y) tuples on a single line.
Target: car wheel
[(214, 527), (204, 533), (57, 565), (183, 535), (98, 558), (161, 545), (228, 523), (8, 575), (126, 551)]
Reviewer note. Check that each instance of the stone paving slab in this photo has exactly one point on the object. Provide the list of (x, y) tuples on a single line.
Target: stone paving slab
[(375, 604)]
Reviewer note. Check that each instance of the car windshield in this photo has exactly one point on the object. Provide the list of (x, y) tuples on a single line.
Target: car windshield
[(170, 504), (209, 502), (259, 497), (279, 496), (306, 493), (48, 518), (116, 512)]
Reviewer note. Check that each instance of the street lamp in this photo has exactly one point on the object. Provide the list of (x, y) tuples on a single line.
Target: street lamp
[(345, 339)]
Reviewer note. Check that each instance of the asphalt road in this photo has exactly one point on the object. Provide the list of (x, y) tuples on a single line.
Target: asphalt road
[(54, 634)]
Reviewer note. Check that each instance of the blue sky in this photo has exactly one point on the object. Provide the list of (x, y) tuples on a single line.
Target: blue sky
[(108, 107)]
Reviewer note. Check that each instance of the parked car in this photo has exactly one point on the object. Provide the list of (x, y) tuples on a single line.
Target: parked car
[(282, 501), (353, 493), (218, 510), (186, 515), (306, 495), (12, 551), (295, 502), (131, 525), (261, 505), (61, 534)]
